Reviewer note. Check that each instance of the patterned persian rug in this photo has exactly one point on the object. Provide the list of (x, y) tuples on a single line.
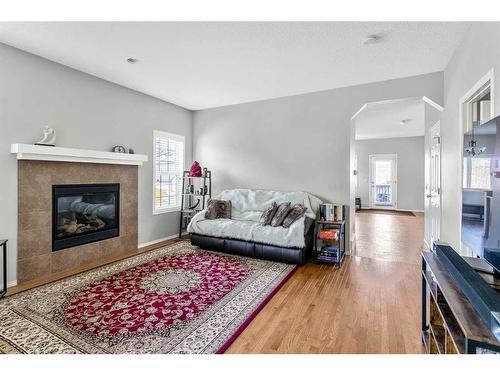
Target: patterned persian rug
[(178, 299)]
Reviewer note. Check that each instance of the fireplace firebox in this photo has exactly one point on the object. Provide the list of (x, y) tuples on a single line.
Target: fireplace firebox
[(84, 213)]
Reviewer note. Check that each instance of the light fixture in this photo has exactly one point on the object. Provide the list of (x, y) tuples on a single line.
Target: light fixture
[(131, 60), (473, 150), (371, 39)]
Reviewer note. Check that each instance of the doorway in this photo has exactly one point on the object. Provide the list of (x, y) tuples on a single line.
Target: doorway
[(434, 194), (383, 181)]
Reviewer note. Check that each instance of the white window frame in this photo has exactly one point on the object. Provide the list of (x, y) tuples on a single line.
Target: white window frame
[(175, 137), (467, 166)]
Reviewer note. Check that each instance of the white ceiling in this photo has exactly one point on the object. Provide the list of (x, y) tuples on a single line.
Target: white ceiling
[(201, 64), (383, 119)]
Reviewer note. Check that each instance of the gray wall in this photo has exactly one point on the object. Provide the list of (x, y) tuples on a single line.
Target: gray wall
[(461, 74), (410, 151), (294, 143), (88, 113)]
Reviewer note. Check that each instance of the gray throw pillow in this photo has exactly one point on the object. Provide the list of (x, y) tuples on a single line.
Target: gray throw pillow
[(280, 215), (294, 214), (268, 214), (218, 209)]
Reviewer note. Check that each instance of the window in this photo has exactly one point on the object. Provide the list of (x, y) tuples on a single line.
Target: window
[(477, 173), (168, 166)]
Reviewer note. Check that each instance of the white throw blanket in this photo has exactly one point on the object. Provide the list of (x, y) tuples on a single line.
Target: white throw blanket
[(246, 208)]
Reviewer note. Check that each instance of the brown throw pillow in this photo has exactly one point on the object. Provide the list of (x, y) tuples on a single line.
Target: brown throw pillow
[(294, 214), (280, 215), (218, 209), (268, 214)]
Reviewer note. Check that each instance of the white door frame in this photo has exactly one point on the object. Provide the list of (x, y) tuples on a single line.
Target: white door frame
[(395, 176), (435, 131), (485, 82)]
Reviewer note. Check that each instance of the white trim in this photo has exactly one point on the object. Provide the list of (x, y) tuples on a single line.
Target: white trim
[(359, 111), (145, 244), (467, 97), (473, 91), (392, 209), (425, 99), (394, 157), (48, 153), (12, 283), (435, 130), (160, 211), (178, 138), (432, 103)]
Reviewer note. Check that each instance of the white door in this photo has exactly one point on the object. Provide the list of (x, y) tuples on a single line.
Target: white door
[(434, 194), (383, 181)]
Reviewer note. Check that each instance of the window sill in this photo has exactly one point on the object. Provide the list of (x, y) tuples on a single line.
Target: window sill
[(166, 210)]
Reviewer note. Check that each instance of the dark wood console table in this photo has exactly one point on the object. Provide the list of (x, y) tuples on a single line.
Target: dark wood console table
[(450, 324)]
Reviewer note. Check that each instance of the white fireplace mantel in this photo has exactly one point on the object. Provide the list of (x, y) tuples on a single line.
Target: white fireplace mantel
[(48, 153)]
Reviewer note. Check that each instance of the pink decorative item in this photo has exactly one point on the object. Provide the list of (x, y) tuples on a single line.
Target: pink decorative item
[(195, 170)]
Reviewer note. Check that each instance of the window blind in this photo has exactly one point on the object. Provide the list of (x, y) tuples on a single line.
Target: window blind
[(168, 156)]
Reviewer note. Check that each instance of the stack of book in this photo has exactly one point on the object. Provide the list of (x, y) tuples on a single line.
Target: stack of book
[(329, 249), (331, 212), (328, 234), (328, 254)]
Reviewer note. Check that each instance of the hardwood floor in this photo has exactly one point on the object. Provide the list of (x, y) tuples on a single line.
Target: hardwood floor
[(371, 305), (389, 236)]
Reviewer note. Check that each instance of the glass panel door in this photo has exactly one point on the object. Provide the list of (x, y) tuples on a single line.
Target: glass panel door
[(383, 181)]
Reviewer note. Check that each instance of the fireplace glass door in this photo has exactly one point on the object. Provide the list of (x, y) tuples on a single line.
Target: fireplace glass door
[(84, 213)]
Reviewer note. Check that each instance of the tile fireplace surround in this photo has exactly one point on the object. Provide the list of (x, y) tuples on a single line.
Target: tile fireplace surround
[(35, 179)]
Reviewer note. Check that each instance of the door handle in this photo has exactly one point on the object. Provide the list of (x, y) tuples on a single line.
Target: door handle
[(429, 195)]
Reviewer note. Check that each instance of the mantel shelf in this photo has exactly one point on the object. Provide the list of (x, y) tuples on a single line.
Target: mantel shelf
[(48, 153)]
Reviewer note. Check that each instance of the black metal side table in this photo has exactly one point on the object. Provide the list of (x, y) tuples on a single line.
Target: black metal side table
[(3, 245)]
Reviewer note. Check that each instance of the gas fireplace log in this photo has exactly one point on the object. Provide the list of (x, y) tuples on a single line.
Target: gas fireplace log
[(105, 211)]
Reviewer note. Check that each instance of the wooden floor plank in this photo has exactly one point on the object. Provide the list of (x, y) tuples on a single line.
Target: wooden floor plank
[(370, 305)]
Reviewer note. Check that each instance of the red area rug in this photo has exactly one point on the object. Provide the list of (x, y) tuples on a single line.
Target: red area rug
[(178, 299)]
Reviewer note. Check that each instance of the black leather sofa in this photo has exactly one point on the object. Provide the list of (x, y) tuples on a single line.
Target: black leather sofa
[(257, 250)]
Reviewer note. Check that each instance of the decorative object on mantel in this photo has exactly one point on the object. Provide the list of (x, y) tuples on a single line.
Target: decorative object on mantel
[(34, 152), (119, 149), (49, 137), (131, 151), (195, 170), (3, 244)]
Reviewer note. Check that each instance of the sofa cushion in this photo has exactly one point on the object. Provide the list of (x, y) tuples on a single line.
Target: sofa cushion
[(280, 214), (218, 209), (251, 231), (268, 214), (295, 213)]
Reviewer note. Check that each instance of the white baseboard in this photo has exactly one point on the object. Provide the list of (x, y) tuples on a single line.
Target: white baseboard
[(12, 283), (393, 209), (141, 245)]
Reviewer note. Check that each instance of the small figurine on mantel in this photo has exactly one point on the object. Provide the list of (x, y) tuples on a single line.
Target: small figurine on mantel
[(49, 137)]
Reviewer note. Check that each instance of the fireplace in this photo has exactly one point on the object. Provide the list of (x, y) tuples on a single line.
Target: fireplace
[(84, 213)]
